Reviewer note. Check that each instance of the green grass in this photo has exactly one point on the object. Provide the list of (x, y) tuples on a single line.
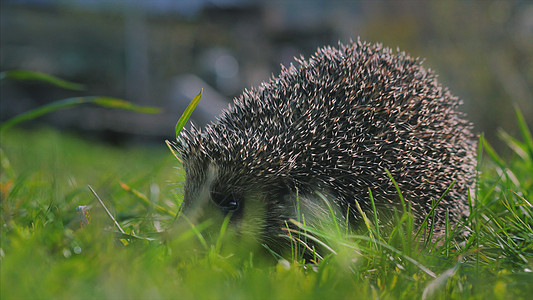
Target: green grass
[(46, 254)]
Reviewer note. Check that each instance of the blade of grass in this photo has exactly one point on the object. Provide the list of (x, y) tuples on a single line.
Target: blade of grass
[(518, 147), (368, 224), (477, 203), (353, 247), (134, 237), (510, 207), (70, 102), (375, 213), (145, 201), (298, 216), (438, 283), (526, 133), (25, 75), (523, 199), (397, 190), (309, 236), (122, 104), (294, 244), (433, 207), (223, 229), (447, 233), (107, 211), (387, 246), (187, 113), (333, 217), (492, 153), (196, 230), (272, 252), (174, 150)]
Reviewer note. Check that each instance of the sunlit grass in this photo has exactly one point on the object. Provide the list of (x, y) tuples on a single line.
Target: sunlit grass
[(46, 253)]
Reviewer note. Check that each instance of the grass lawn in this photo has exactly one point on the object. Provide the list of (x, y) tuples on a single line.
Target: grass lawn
[(46, 253)]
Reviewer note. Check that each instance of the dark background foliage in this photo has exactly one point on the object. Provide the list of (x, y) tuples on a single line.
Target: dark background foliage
[(161, 53)]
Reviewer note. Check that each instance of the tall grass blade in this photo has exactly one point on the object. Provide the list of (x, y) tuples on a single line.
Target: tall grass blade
[(526, 133), (375, 213), (309, 236), (518, 147), (492, 154), (272, 252), (187, 113), (145, 201), (389, 247), (106, 210), (25, 75), (222, 232), (367, 221), (172, 147), (122, 104), (70, 102), (196, 230), (438, 283), (404, 207), (433, 208), (333, 216), (294, 245)]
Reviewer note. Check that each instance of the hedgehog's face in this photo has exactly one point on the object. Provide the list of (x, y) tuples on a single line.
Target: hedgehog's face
[(257, 213)]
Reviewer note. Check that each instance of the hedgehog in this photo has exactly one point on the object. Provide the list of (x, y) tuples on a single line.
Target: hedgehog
[(321, 135)]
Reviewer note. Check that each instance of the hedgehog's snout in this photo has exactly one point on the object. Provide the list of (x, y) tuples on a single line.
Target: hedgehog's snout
[(211, 193)]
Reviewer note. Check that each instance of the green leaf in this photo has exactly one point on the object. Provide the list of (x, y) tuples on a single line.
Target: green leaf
[(187, 113), (69, 102), (24, 75)]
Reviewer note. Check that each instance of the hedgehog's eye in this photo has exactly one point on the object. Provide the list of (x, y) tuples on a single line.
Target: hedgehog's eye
[(228, 202)]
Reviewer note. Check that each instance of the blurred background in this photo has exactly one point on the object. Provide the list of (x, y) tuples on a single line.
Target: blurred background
[(162, 52)]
